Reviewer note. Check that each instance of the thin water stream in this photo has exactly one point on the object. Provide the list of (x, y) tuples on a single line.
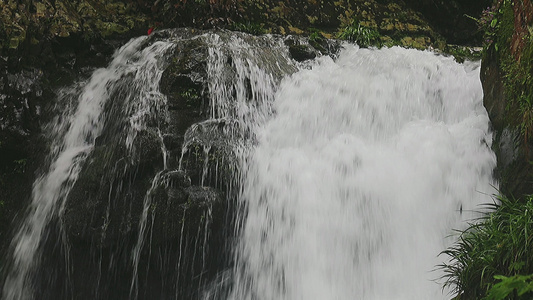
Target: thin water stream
[(75, 133)]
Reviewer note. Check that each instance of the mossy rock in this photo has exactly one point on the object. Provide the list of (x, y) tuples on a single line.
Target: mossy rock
[(507, 78)]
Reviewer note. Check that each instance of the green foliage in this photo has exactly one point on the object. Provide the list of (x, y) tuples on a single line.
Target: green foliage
[(518, 83), (499, 243), (315, 36), (499, 26), (517, 286), (363, 36), (317, 39), (462, 53)]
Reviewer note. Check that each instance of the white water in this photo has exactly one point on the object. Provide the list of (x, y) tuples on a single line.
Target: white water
[(364, 169), (75, 134)]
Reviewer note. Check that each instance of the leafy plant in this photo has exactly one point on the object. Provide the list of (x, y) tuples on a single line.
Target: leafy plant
[(315, 36), (461, 53), (518, 286), (499, 243), (317, 39), (363, 36), (488, 22), (514, 53)]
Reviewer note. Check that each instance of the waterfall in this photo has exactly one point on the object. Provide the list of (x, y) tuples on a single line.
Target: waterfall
[(359, 177), (74, 134), (341, 177)]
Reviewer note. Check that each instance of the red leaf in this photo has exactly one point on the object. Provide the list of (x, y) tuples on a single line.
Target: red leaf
[(150, 30)]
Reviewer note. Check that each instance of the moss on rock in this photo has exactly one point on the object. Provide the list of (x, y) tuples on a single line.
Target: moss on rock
[(507, 77)]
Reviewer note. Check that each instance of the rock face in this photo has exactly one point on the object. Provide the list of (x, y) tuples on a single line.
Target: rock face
[(119, 180), (44, 46), (506, 77), (130, 201), (513, 172), (21, 97)]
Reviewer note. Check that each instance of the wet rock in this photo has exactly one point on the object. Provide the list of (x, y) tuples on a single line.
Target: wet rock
[(104, 210), (209, 157), (107, 199), (178, 210), (300, 51), (183, 82), (116, 182), (493, 90)]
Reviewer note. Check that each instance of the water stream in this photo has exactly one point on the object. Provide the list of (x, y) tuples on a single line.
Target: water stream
[(362, 172), (74, 134)]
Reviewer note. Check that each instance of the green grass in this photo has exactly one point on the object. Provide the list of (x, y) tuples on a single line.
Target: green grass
[(499, 243), (363, 36)]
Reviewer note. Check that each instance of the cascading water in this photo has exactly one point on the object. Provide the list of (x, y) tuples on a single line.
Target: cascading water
[(74, 137), (350, 174), (364, 169)]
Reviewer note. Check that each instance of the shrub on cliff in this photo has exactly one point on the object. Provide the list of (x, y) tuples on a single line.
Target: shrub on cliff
[(499, 243), (508, 29)]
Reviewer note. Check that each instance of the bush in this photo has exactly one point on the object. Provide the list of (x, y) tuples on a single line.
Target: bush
[(499, 243), (363, 36), (515, 56)]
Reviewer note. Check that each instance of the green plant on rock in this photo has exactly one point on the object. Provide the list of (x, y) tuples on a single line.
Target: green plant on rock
[(462, 53), (363, 36), (498, 244), (518, 83), (526, 112), (317, 39), (315, 36), (515, 56), (487, 23)]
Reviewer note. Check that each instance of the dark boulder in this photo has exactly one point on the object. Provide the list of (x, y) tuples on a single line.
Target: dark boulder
[(116, 183)]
